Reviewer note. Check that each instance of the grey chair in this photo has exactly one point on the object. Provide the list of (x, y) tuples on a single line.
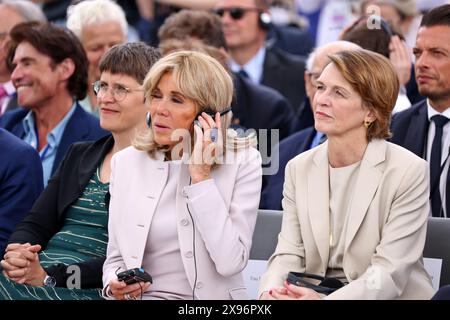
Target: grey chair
[(437, 245), (265, 236)]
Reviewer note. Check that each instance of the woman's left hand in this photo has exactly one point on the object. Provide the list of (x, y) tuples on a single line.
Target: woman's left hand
[(205, 150), (30, 273), (292, 292)]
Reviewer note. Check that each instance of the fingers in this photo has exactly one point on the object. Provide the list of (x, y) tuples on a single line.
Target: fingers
[(20, 253), (18, 273), (280, 294), (15, 246), (122, 291), (35, 248), (18, 262)]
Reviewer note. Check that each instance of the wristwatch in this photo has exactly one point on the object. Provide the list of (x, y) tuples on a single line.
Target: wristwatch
[(49, 281)]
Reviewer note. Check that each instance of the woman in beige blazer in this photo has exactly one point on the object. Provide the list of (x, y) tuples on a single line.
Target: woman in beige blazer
[(356, 207), (187, 220)]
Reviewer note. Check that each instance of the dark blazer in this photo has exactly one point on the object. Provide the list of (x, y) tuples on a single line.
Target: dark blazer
[(47, 216), (289, 148), (259, 107), (284, 72), (81, 127), (20, 183), (294, 40), (410, 128)]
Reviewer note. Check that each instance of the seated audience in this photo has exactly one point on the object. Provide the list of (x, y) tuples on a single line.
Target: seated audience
[(185, 216), (20, 183), (354, 208), (58, 251)]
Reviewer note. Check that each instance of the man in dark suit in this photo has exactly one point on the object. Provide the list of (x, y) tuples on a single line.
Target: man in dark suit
[(20, 183), (245, 25), (425, 128), (303, 140), (49, 71), (294, 40)]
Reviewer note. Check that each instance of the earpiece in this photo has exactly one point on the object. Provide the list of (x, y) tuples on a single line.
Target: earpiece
[(148, 119), (264, 20)]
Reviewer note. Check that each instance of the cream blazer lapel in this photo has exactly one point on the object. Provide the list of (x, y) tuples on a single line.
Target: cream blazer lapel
[(366, 186), (148, 197), (319, 203)]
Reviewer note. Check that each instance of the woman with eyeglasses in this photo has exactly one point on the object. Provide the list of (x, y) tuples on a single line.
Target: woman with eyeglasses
[(355, 208), (184, 198), (58, 250)]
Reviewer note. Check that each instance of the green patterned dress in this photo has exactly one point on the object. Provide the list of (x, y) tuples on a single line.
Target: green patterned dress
[(84, 236)]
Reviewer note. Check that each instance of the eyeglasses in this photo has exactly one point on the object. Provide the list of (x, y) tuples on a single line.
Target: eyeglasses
[(119, 92), (235, 12)]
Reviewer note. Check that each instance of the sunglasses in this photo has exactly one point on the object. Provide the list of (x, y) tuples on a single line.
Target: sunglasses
[(235, 12)]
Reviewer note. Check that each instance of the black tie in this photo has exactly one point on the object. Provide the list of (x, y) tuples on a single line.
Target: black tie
[(435, 164), (243, 73)]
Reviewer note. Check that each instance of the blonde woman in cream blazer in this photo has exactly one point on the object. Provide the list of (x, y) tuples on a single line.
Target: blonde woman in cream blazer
[(377, 252), (187, 222)]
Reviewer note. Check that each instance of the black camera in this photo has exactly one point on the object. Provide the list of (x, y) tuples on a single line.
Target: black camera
[(134, 275)]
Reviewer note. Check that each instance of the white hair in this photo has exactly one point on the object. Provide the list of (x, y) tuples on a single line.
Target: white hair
[(27, 9), (95, 11)]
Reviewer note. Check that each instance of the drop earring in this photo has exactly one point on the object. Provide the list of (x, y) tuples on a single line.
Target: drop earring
[(367, 124)]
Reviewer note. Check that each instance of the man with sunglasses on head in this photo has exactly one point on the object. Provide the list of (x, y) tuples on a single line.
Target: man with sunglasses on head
[(49, 71), (245, 24)]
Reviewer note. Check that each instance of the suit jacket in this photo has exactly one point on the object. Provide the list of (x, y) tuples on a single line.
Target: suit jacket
[(260, 107), (80, 127), (20, 182), (410, 128), (385, 230), (293, 40), (47, 215), (284, 73), (223, 210), (288, 149)]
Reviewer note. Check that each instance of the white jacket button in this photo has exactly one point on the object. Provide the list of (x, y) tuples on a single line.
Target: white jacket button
[(353, 275), (199, 285), (184, 222), (189, 254)]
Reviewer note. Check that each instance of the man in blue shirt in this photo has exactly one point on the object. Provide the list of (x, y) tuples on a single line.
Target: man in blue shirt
[(49, 71)]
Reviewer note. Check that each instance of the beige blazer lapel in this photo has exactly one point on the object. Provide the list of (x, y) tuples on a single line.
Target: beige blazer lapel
[(366, 185), (319, 203)]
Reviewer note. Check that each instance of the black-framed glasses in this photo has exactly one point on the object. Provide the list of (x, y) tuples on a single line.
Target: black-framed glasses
[(119, 92), (235, 12)]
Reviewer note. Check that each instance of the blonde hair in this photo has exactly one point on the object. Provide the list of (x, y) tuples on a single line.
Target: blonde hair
[(200, 78)]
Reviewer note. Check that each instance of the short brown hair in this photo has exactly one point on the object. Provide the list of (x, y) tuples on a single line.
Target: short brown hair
[(56, 43), (188, 24), (133, 59), (374, 78)]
